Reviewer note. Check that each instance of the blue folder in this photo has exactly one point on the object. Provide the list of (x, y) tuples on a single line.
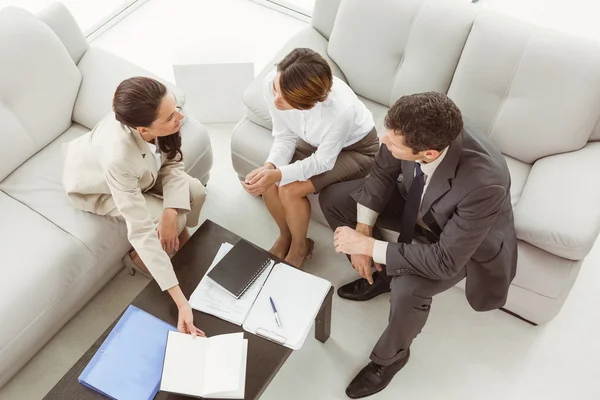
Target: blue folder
[(128, 365)]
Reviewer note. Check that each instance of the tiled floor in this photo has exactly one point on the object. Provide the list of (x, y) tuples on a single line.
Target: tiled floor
[(460, 354)]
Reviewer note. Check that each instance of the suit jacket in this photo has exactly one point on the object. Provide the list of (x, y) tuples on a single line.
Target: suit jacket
[(467, 206), (113, 161)]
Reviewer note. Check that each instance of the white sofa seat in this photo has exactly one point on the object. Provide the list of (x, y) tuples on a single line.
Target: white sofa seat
[(33, 278), (37, 184)]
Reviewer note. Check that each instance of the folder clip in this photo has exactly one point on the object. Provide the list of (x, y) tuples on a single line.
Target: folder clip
[(270, 335)]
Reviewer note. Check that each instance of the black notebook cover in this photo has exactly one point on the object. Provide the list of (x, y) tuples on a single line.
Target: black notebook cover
[(239, 268)]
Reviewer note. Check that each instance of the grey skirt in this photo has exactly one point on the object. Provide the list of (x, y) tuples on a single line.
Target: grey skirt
[(353, 162)]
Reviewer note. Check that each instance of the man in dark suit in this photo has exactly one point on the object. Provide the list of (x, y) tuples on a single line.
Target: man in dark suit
[(444, 185)]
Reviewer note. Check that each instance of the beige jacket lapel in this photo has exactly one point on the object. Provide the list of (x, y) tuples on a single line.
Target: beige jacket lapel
[(150, 171)]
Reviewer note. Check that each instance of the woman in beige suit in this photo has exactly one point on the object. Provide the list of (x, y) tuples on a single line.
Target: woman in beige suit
[(130, 165)]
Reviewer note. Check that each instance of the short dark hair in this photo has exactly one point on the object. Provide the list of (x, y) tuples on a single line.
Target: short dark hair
[(305, 78), (426, 121), (135, 104)]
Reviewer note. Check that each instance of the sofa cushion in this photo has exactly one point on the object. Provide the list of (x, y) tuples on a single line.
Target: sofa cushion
[(39, 262), (596, 133), (38, 86), (323, 18), (256, 107), (389, 48), (559, 210), (535, 92), (37, 184), (541, 272), (379, 112), (519, 172), (250, 145), (64, 25), (197, 150)]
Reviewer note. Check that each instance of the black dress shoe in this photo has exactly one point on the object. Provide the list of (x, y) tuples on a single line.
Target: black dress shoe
[(374, 378), (361, 289)]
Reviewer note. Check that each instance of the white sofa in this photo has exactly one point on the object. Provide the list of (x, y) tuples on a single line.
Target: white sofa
[(53, 88), (535, 92)]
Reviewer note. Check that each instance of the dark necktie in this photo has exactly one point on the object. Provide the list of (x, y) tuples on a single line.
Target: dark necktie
[(412, 206)]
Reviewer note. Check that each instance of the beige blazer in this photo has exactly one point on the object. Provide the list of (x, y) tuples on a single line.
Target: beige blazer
[(113, 166)]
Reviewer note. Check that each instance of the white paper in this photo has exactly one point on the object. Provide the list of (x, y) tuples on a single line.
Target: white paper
[(298, 297), (178, 375), (212, 299), (227, 360), (207, 367)]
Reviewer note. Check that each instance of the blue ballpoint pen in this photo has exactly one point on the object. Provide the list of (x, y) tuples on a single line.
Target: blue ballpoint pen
[(275, 312)]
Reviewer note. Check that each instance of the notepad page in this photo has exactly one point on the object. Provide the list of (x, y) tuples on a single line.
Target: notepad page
[(185, 366), (212, 299), (224, 358), (298, 297)]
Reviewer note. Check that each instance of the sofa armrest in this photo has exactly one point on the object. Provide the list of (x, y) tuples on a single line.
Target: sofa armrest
[(61, 21), (102, 72), (197, 149), (559, 210)]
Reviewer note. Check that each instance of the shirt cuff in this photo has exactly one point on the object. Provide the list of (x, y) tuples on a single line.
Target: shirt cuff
[(364, 215), (380, 252), (290, 173), (276, 161)]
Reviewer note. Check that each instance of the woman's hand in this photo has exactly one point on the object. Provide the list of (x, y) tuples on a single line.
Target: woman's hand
[(262, 181), (252, 174), (185, 322), (167, 231)]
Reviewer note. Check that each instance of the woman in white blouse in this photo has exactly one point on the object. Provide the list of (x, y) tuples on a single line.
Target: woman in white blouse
[(323, 134)]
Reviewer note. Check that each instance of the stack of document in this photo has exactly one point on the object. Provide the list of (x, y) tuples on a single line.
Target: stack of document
[(212, 299), (298, 297), (205, 367)]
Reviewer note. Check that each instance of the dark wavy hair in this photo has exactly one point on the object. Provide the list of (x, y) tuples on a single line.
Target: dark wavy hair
[(136, 104)]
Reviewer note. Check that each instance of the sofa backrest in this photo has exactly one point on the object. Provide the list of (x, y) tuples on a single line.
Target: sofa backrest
[(389, 48), (38, 86), (324, 13), (534, 91), (58, 17)]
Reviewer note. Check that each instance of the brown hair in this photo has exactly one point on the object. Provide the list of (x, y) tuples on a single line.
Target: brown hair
[(305, 78), (426, 121), (136, 104)]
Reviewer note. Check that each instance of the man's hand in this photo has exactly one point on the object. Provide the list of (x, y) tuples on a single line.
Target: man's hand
[(362, 265), (360, 262), (167, 231), (348, 241), (262, 181)]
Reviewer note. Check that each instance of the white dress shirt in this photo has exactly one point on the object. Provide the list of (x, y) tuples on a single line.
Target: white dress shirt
[(340, 121), (368, 217), (155, 151)]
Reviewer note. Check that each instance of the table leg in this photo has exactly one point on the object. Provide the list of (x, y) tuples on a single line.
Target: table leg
[(323, 320)]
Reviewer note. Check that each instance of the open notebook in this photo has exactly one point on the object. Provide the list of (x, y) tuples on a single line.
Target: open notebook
[(297, 295), (212, 367)]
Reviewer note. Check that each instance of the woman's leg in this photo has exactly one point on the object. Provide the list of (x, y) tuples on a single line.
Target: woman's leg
[(273, 203), (184, 236), (197, 199), (297, 214), (155, 205)]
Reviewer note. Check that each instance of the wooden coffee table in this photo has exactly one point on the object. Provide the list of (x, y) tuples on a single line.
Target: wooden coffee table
[(265, 358)]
